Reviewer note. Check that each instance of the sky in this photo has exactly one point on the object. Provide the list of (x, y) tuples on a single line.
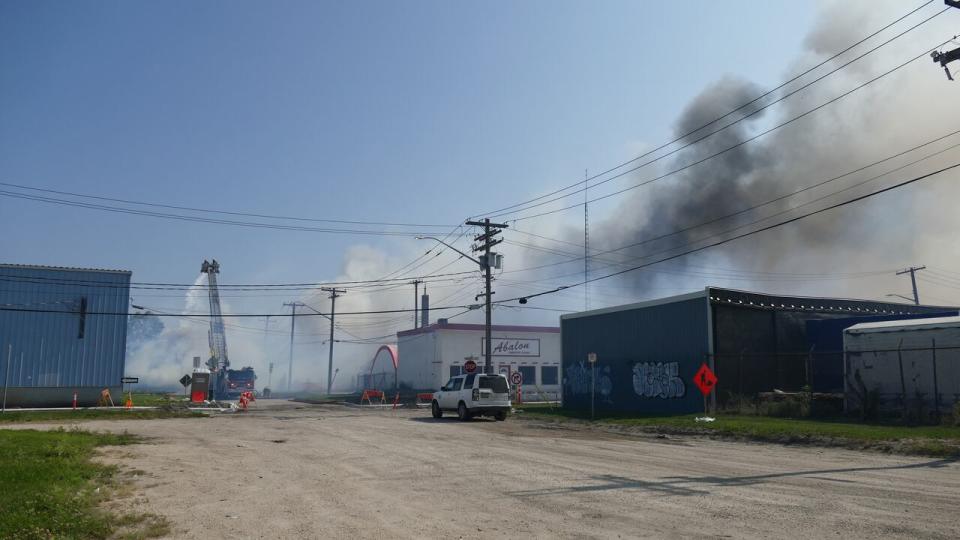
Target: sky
[(423, 112)]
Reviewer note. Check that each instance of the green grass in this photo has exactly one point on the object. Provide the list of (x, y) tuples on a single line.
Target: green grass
[(12, 416), (154, 400), (50, 488), (927, 440)]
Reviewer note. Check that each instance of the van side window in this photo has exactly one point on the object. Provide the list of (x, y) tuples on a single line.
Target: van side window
[(468, 382)]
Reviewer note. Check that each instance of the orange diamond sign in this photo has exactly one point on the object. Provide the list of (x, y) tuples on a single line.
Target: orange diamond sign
[(705, 379)]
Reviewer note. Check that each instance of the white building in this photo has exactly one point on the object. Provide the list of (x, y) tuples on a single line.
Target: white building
[(432, 354)]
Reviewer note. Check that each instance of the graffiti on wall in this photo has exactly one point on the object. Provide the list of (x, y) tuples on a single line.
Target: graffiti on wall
[(578, 380), (658, 379)]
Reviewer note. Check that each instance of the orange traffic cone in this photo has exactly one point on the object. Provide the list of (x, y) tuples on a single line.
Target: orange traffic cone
[(129, 402)]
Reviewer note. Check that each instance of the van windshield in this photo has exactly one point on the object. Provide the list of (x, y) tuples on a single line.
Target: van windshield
[(497, 384)]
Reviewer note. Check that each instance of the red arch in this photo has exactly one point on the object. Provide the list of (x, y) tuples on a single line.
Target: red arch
[(392, 350)]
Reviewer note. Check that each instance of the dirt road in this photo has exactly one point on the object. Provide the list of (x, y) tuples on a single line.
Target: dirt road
[(302, 471)]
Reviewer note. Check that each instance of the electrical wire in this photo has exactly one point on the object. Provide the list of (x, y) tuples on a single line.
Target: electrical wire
[(743, 235), (733, 111), (706, 158)]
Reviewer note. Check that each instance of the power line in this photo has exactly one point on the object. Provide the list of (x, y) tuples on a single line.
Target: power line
[(733, 111), (224, 212), (748, 233), (782, 197), (197, 219), (704, 159)]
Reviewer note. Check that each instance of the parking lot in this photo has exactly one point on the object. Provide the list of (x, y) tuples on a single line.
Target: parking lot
[(286, 470)]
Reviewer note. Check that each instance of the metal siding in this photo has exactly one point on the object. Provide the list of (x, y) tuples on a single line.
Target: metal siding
[(665, 333), (46, 350)]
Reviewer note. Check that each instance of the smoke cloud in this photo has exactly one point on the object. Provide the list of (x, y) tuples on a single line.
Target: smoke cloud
[(895, 113)]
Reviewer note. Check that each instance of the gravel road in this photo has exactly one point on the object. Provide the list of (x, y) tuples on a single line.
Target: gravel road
[(287, 470)]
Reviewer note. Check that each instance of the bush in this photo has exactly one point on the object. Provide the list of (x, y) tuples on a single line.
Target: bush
[(788, 408)]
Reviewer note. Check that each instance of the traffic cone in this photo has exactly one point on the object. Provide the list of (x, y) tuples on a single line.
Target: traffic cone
[(129, 402)]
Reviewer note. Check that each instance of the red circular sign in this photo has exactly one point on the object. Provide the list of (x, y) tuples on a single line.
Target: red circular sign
[(469, 366), (516, 378)]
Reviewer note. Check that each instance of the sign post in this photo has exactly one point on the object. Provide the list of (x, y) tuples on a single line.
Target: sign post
[(185, 382), (470, 365), (706, 381), (517, 379), (592, 358)]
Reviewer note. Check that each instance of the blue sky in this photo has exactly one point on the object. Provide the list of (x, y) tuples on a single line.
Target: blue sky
[(404, 111)]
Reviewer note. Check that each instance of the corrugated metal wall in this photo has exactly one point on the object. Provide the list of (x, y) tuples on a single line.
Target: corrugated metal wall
[(646, 357), (46, 352)]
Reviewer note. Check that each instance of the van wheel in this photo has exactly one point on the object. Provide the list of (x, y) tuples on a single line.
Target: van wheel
[(501, 416), (462, 412), (435, 409)]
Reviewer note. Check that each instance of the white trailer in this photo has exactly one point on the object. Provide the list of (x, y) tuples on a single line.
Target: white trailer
[(908, 365)]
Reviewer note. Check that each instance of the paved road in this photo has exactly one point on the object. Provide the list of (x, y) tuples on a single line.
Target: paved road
[(334, 472)]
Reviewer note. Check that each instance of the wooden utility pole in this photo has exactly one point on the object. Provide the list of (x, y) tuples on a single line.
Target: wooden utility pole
[(488, 262), (334, 293), (913, 280), (293, 323)]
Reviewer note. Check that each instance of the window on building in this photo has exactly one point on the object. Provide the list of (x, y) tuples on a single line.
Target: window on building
[(454, 371), (529, 374), (549, 375)]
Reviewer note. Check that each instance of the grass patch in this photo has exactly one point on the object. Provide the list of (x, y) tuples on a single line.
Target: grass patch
[(50, 487), (12, 416), (156, 399), (941, 441)]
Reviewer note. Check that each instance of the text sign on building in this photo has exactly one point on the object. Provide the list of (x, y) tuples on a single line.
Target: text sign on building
[(512, 347)]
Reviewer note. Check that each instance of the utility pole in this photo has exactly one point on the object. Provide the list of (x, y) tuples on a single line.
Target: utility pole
[(293, 323), (913, 280), (334, 293), (586, 241), (416, 306), (486, 241)]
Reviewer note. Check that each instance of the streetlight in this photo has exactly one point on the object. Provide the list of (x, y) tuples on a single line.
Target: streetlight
[(451, 247), (484, 266)]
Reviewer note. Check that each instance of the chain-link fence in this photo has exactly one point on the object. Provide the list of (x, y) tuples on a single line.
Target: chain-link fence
[(919, 383)]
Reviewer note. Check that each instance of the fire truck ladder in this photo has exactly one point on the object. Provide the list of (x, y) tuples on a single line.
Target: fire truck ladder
[(217, 336)]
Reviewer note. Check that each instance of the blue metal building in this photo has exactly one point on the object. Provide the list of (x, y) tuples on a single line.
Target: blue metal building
[(62, 330), (647, 353)]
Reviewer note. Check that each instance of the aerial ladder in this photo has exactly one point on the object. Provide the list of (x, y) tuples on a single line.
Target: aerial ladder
[(218, 362)]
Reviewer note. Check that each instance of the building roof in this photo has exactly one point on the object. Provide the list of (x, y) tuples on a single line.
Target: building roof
[(478, 328), (61, 268), (765, 301), (908, 324)]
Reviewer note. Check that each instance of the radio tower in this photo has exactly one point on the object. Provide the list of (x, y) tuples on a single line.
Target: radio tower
[(217, 338)]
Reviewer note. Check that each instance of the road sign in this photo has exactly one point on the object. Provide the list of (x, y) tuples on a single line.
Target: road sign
[(705, 379), (185, 381), (592, 357), (129, 380), (516, 378), (469, 366)]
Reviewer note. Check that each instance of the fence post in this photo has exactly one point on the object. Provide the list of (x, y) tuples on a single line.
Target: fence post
[(740, 382), (936, 387), (903, 384)]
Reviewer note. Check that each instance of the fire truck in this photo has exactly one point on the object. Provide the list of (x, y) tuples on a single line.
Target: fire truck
[(240, 380)]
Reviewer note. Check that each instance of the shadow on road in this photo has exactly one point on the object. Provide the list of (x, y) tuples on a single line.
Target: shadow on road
[(432, 420), (678, 485)]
